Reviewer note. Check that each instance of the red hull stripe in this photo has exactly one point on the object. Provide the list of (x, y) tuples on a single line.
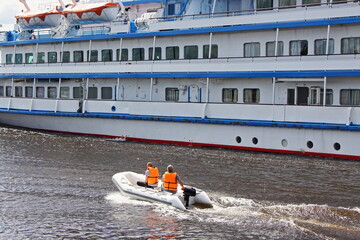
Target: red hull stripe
[(194, 144)]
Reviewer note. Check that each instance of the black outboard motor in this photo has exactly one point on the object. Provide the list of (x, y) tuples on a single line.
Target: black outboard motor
[(189, 192)]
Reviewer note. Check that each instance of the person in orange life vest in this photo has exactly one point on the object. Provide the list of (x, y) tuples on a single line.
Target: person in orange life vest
[(151, 176), (171, 180)]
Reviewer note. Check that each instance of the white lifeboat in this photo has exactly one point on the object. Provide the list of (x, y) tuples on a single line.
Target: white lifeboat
[(91, 13), (127, 184), (34, 19)]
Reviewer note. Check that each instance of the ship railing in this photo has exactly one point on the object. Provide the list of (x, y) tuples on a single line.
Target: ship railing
[(354, 56), (328, 4)]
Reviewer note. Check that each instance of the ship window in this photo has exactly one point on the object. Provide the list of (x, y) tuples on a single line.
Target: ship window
[(18, 58), (29, 92), (41, 57), (270, 49), (40, 92), (1, 91), (261, 4), (29, 58), (172, 52), (230, 95), (64, 92), (171, 9), (172, 94), (298, 48), (157, 53), (124, 54), (106, 93), (52, 57), (317, 96), (107, 55), (92, 93), (65, 58), (138, 54), (311, 2), (8, 91), (51, 92), (252, 49), (77, 92), (287, 3), (350, 45), (9, 58), (78, 56), (191, 52), (350, 97), (291, 96), (18, 91), (320, 46), (337, 1), (251, 95), (93, 57), (214, 51)]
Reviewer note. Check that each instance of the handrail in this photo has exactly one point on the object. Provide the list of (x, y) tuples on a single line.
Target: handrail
[(129, 62), (252, 11)]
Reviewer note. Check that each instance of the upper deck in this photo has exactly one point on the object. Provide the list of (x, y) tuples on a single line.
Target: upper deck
[(158, 18)]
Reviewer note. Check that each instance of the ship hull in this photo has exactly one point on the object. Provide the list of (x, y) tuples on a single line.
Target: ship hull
[(268, 139)]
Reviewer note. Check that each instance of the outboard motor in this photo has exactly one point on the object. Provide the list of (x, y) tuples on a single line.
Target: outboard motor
[(189, 192)]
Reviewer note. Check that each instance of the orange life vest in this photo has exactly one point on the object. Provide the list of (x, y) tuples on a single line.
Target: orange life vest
[(152, 179), (170, 182)]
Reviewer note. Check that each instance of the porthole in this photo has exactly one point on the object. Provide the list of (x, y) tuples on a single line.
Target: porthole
[(238, 139), (255, 140), (113, 108), (310, 144), (337, 146), (284, 143)]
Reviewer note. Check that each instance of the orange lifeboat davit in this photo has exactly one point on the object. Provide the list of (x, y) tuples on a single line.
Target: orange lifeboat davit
[(91, 12)]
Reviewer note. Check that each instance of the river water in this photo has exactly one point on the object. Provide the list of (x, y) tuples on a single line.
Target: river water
[(55, 186)]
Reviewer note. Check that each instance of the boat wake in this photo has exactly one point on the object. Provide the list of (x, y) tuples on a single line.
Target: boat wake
[(281, 220)]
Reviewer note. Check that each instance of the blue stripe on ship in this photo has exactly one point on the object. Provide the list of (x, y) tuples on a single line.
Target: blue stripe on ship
[(258, 123), (235, 28), (321, 73)]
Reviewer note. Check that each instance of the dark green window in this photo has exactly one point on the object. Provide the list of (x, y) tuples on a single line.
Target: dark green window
[(65, 57), (107, 55), (138, 54), (41, 57), (172, 52), (124, 54), (214, 51), (93, 57), (52, 57), (191, 52), (78, 56), (9, 58), (18, 58), (157, 53), (29, 58)]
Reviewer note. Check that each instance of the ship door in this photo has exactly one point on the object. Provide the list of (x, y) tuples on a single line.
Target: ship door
[(194, 94), (302, 95)]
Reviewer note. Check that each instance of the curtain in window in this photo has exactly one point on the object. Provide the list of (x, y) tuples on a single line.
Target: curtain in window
[(270, 49), (252, 49), (172, 94), (320, 46)]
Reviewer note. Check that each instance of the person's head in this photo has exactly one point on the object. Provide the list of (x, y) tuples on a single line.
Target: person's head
[(149, 164), (170, 168)]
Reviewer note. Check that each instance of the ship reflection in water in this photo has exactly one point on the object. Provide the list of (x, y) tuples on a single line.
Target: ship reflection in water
[(59, 187)]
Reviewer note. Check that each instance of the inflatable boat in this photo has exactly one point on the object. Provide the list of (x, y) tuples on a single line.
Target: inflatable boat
[(127, 182)]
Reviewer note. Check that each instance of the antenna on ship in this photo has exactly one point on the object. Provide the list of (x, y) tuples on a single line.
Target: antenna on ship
[(25, 4)]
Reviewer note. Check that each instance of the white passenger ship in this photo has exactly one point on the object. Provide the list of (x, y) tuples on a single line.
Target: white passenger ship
[(263, 75)]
